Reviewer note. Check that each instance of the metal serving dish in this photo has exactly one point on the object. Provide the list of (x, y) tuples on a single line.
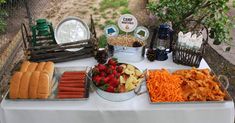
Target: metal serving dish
[(57, 74), (127, 54), (71, 29), (227, 96), (117, 97)]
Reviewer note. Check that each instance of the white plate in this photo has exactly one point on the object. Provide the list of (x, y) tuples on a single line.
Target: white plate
[(71, 29)]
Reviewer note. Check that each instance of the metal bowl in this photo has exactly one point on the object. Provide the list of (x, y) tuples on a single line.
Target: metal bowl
[(127, 54), (117, 97)]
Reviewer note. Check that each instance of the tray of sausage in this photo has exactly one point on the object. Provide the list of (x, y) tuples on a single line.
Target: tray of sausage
[(71, 83)]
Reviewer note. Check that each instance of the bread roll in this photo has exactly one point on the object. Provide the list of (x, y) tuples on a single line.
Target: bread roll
[(43, 96), (43, 86), (32, 67), (15, 85), (49, 68), (33, 85), (40, 66), (24, 85), (24, 66)]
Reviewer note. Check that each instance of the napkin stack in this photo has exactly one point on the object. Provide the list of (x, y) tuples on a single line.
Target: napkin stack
[(190, 41)]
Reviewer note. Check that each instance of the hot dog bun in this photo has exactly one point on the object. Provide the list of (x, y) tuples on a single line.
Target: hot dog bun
[(33, 81), (24, 66), (15, 85), (33, 86), (24, 85), (43, 86), (49, 68), (32, 67), (40, 66)]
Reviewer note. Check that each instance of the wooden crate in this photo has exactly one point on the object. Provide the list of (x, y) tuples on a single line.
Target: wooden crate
[(48, 51)]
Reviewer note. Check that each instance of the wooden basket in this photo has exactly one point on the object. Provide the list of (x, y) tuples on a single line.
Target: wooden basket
[(49, 51), (189, 57)]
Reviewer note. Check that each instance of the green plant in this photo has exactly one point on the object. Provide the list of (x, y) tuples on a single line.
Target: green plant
[(125, 11), (3, 25), (110, 22), (102, 41), (3, 14), (101, 26), (105, 4), (212, 13)]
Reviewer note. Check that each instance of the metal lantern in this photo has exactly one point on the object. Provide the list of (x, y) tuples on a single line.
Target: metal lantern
[(43, 30), (163, 42)]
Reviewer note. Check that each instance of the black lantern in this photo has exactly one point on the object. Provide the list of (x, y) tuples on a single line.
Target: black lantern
[(163, 42)]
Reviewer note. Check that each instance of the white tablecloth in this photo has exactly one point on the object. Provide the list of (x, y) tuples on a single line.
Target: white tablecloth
[(135, 110)]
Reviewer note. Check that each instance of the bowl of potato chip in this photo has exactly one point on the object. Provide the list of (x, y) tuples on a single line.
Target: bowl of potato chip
[(117, 81)]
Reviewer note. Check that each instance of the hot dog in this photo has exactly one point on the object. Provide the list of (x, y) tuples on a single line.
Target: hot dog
[(74, 73), (71, 89), (73, 85), (71, 93), (69, 96)]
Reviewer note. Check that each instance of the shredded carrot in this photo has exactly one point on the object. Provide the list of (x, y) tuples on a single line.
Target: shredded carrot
[(164, 87)]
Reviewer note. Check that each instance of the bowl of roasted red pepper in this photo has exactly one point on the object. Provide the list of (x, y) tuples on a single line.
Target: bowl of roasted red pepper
[(116, 81)]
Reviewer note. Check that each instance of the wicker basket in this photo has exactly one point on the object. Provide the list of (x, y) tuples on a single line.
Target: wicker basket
[(189, 57)]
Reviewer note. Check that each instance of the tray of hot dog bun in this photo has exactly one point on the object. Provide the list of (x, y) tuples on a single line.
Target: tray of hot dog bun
[(44, 82)]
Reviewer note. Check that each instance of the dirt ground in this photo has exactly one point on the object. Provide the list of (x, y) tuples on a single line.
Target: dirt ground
[(60, 9)]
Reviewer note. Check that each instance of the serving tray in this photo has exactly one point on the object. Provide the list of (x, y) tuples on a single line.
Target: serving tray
[(57, 74), (71, 29), (226, 99)]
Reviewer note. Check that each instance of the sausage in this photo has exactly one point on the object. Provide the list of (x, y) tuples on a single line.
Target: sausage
[(74, 73), (71, 89), (71, 93), (72, 81), (79, 85), (69, 96), (72, 78)]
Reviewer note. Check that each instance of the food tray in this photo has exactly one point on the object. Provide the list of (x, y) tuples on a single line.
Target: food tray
[(227, 96), (57, 73), (71, 29)]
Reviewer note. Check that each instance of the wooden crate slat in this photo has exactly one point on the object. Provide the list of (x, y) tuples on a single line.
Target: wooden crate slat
[(56, 45), (57, 49), (64, 58), (57, 54)]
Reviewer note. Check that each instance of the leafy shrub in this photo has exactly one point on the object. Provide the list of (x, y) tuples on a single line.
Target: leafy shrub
[(212, 13)]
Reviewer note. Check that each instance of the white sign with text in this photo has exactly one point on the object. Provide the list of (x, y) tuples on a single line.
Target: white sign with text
[(127, 23)]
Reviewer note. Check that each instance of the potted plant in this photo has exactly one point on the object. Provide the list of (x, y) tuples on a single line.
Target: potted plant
[(212, 13)]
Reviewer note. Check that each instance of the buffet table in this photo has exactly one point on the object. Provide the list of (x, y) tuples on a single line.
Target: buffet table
[(135, 110)]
